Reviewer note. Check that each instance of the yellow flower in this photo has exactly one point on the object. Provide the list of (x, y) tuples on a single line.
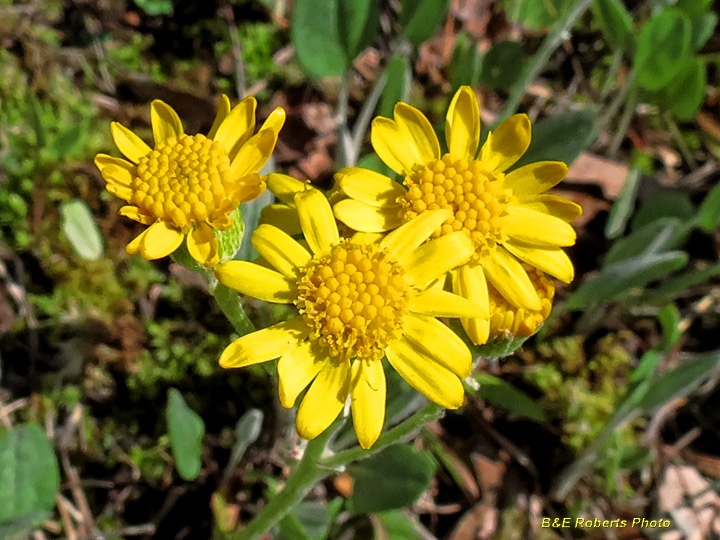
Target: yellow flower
[(506, 214), (358, 302), (189, 185), (507, 321)]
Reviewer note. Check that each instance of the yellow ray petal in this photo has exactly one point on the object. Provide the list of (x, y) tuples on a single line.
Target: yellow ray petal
[(222, 111), (424, 374), (462, 124), (103, 160), (433, 259), (203, 246), (369, 187), (280, 250), (161, 240), (275, 121), (133, 246), (296, 369), (535, 178), (507, 143), (418, 130), (134, 213), (469, 282), (508, 276), (367, 237), (317, 220), (285, 187), (129, 144), (554, 261), (249, 187), (253, 154), (410, 235), (393, 146), (256, 281), (554, 205), (325, 399), (537, 228), (116, 174), (439, 303), (283, 217), (122, 192), (165, 121), (369, 391), (363, 217), (439, 342), (266, 344), (237, 127)]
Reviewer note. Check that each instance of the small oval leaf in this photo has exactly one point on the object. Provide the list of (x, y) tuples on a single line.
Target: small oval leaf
[(186, 430)]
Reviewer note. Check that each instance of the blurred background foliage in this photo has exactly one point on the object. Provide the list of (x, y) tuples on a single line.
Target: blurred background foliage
[(114, 415)]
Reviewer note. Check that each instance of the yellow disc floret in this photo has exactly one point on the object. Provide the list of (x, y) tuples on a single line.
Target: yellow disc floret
[(469, 190), (185, 180), (354, 299), (507, 319)]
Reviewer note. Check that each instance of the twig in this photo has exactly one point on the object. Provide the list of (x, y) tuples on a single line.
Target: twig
[(678, 138), (345, 146), (237, 51), (552, 41), (625, 120)]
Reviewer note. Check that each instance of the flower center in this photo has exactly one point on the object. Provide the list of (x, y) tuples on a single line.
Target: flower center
[(507, 319), (355, 300), (184, 180), (471, 192)]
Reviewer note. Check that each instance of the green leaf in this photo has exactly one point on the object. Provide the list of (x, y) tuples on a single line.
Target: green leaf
[(686, 93), (709, 213), (503, 65), (681, 381), (309, 520), (315, 34), (685, 281), (663, 49), (694, 8), (499, 392), (186, 430), (395, 525), (669, 318), (702, 28), (358, 24), (537, 13), (393, 478), (156, 7), (560, 137), (654, 237), (29, 478), (623, 208), (615, 23), (465, 64), (668, 203), (80, 229), (397, 87), (420, 19), (617, 279)]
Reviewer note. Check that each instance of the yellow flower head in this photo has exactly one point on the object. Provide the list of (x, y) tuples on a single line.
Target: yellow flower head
[(507, 321), (189, 185), (505, 214), (358, 302)]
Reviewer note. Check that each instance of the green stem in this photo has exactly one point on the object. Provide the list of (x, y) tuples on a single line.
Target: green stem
[(393, 436), (539, 61), (303, 477), (312, 469), (230, 305)]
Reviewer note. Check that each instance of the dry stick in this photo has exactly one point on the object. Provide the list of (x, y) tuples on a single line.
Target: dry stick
[(237, 51), (552, 42)]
